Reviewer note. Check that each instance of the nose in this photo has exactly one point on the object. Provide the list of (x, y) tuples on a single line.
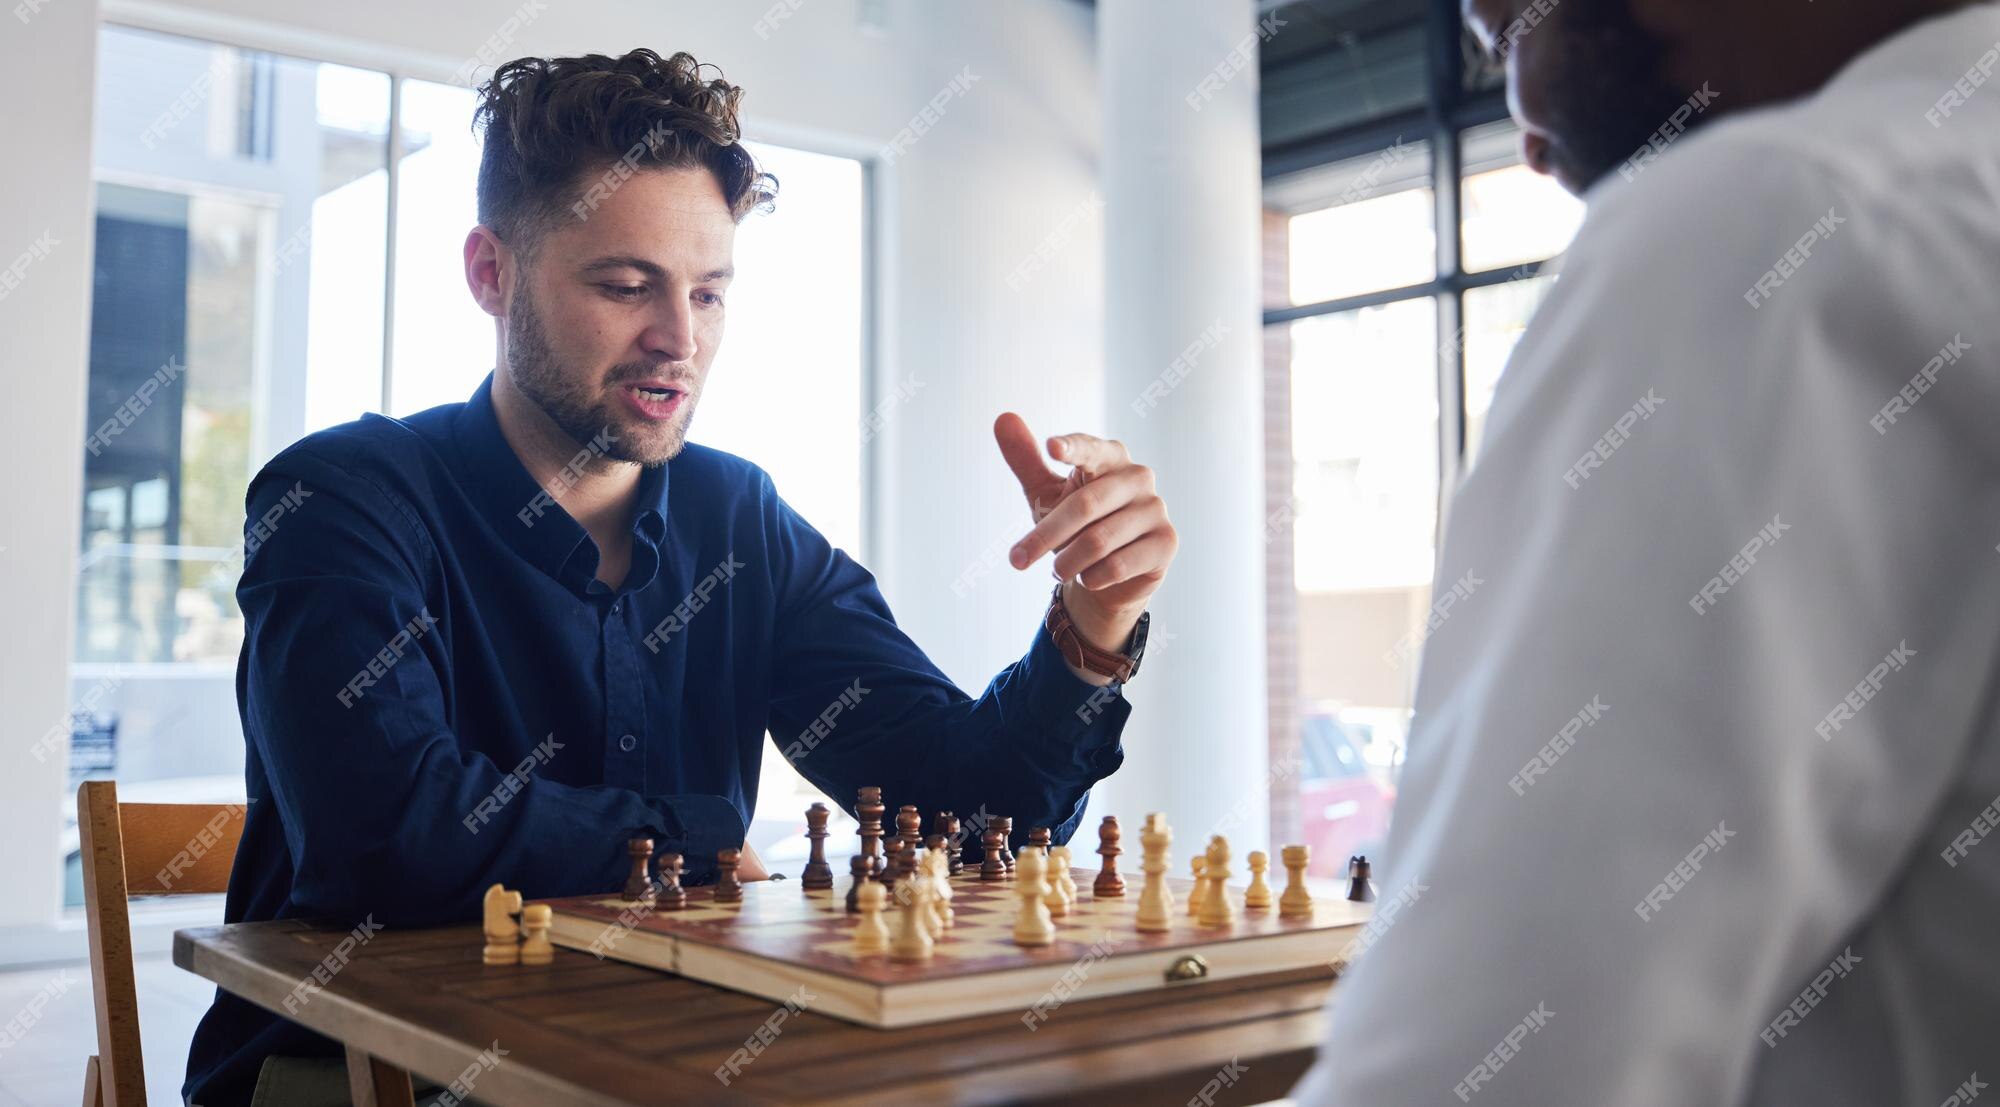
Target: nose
[(670, 336), (1535, 149)]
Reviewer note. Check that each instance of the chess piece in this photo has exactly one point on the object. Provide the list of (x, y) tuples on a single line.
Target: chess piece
[(1006, 825), (871, 934), (639, 884), (909, 826), (1034, 926), (1108, 882), (994, 868), (1062, 886), (857, 867), (503, 938), (1156, 900), (672, 896), (939, 867), (818, 873), (1258, 897), (868, 808), (892, 848), (947, 825), (1218, 910), (907, 874), (1039, 836), (1360, 882), (1296, 903), (1200, 892), (535, 946), (728, 889), (912, 944)]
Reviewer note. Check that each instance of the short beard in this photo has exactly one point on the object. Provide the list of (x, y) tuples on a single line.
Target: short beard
[(1611, 94), (571, 404)]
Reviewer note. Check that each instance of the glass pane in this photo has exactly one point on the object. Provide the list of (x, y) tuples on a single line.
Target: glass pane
[(1495, 318), (1512, 213), (444, 343), (1365, 447), (1366, 244), (795, 315), (239, 237)]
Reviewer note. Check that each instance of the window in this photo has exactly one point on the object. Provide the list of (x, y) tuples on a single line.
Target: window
[(1389, 340), (244, 298)]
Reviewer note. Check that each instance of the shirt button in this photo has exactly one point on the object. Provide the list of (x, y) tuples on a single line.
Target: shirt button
[(618, 607), (628, 743)]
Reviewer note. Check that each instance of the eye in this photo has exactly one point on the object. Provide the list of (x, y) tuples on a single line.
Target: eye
[(623, 291), (712, 299)]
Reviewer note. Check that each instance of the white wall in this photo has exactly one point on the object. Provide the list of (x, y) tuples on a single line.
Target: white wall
[(1006, 165)]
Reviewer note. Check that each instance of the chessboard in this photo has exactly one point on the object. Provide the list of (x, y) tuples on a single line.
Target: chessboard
[(780, 937)]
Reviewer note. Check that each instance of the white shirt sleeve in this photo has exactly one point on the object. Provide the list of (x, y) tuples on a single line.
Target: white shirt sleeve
[(1726, 631)]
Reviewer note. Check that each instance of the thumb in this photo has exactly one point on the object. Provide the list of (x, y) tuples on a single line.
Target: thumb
[(1022, 451)]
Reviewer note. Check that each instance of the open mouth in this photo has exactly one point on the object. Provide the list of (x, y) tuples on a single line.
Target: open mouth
[(654, 401)]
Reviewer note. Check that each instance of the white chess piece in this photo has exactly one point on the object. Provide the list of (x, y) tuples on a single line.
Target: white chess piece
[(1062, 887), (1033, 927), (939, 867), (913, 929), (1218, 910), (1156, 900), (871, 934)]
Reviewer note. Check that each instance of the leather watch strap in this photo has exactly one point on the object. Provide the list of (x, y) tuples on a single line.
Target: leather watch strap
[(1080, 653)]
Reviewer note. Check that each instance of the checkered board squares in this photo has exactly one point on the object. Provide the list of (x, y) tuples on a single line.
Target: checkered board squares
[(780, 936)]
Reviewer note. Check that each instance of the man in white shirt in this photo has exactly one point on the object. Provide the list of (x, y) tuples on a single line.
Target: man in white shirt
[(1702, 774)]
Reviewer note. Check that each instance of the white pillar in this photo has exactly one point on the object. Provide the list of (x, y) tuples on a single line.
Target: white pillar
[(1184, 390), (46, 205)]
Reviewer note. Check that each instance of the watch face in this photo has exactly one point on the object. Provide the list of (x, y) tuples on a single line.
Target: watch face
[(1139, 641)]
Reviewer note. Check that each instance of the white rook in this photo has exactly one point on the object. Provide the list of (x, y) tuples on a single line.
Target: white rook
[(1183, 379)]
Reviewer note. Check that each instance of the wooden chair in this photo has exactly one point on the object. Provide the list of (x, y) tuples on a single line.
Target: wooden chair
[(138, 849)]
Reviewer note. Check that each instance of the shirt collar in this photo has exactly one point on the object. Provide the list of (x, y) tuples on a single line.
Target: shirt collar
[(530, 521)]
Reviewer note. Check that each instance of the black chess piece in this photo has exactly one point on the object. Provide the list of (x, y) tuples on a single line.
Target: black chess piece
[(1360, 888), (858, 869), (818, 873)]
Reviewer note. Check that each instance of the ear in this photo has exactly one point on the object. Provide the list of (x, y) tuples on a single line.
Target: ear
[(491, 269)]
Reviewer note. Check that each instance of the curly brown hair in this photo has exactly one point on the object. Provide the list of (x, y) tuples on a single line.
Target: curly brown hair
[(558, 132)]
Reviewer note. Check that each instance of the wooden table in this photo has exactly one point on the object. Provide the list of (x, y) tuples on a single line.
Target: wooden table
[(583, 1031)]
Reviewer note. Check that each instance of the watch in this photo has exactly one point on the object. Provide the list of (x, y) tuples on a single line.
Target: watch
[(1120, 667)]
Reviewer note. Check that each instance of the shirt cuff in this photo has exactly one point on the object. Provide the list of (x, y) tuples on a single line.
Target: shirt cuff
[(697, 827), (1068, 710)]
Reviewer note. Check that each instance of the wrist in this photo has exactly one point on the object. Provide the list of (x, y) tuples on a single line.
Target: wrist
[(1110, 631), (1099, 647)]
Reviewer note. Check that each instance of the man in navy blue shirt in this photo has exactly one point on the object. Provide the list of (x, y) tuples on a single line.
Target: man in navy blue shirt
[(493, 641)]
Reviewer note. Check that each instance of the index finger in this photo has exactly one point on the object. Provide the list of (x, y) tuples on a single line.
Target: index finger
[(1017, 446)]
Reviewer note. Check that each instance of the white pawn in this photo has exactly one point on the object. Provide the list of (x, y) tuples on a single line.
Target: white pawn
[(1062, 886), (1200, 894), (1033, 927), (1217, 910), (1156, 900), (871, 934), (1258, 897)]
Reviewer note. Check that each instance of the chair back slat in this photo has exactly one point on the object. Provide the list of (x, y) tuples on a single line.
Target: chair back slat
[(178, 849), (121, 1069)]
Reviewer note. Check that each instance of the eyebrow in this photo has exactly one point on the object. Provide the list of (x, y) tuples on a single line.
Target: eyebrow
[(651, 269)]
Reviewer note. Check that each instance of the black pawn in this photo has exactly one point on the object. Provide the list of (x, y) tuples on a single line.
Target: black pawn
[(858, 869)]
